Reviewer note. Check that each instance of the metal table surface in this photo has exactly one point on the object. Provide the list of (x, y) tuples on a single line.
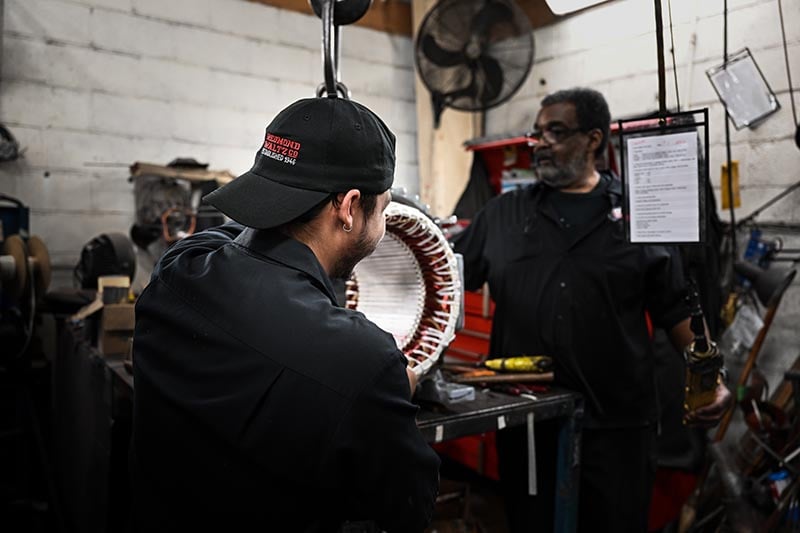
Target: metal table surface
[(489, 411)]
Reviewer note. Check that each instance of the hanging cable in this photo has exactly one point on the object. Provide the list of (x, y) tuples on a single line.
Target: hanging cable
[(788, 72), (729, 169), (662, 85), (672, 51)]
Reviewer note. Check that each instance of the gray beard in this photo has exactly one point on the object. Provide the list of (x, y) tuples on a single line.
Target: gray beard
[(560, 177)]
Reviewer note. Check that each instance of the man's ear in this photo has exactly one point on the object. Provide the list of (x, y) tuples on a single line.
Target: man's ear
[(595, 138), (349, 205)]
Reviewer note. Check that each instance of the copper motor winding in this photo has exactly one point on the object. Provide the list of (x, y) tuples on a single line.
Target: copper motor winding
[(410, 286)]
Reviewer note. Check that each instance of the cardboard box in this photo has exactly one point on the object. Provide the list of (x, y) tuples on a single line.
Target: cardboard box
[(118, 317), (116, 329), (114, 343)]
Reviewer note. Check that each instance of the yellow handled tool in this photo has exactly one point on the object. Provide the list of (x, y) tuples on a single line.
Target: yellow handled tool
[(524, 363)]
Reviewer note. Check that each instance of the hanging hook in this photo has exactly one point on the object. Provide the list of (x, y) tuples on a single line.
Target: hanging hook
[(335, 13)]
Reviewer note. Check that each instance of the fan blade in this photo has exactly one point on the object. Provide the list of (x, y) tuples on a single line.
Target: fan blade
[(470, 92), (489, 15), (438, 55), (492, 78)]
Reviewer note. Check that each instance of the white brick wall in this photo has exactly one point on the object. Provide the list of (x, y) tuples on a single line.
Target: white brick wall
[(90, 86), (612, 48)]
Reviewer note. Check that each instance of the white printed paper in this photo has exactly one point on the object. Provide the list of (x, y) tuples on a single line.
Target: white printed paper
[(663, 188)]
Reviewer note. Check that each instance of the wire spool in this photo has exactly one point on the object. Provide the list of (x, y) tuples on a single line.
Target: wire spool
[(42, 271), (410, 286), (14, 271)]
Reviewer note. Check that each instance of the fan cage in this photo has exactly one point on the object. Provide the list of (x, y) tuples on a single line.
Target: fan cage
[(441, 81)]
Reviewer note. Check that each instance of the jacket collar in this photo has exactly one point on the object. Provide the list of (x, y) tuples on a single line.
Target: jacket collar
[(277, 247)]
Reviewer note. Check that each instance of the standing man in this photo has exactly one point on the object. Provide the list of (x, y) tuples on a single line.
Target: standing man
[(260, 404), (568, 285)]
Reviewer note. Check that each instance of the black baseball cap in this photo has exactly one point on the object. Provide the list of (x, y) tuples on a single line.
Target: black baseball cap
[(314, 147)]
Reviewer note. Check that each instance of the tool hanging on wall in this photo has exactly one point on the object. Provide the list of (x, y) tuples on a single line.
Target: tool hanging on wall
[(335, 13)]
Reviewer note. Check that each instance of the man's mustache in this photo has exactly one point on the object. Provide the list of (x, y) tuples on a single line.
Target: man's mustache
[(538, 156)]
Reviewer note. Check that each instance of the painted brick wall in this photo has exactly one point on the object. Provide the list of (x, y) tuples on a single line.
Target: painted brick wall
[(612, 48), (90, 86)]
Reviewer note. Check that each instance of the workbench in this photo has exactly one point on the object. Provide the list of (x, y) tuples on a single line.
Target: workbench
[(489, 411)]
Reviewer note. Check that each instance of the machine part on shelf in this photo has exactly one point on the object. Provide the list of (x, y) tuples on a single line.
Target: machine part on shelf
[(335, 13), (15, 270), (42, 269), (524, 363), (24, 276), (177, 223), (106, 254), (410, 286)]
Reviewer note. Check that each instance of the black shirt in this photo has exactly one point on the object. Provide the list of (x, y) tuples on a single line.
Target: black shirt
[(262, 405), (576, 210), (576, 294)]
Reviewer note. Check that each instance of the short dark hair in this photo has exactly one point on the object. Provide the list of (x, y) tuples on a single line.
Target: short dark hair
[(368, 201), (591, 109)]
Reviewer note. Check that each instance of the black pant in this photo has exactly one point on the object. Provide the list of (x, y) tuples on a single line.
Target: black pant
[(617, 469)]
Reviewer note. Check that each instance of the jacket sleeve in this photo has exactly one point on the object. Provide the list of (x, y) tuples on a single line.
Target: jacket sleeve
[(471, 244), (391, 473)]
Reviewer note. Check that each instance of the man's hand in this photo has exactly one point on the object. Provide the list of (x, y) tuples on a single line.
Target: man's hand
[(710, 415), (412, 380)]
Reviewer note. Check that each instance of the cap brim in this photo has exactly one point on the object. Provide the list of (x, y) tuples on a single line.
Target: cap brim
[(259, 202)]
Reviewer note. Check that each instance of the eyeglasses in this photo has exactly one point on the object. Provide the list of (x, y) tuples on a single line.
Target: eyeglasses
[(554, 135)]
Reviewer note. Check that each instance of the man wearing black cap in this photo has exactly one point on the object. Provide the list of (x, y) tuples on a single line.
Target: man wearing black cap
[(260, 403)]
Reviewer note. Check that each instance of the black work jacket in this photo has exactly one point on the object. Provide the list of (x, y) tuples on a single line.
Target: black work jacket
[(260, 405), (579, 296)]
